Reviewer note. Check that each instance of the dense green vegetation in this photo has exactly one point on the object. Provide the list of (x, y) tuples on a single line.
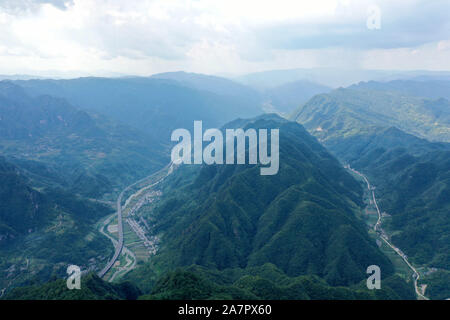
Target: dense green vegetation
[(42, 231), (347, 112), (55, 157), (418, 197), (92, 288), (438, 285), (87, 154), (265, 282), (301, 220), (24, 209), (21, 207), (226, 231), (412, 175), (199, 283), (413, 185)]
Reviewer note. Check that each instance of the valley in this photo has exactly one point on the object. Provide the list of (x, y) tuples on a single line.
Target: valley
[(411, 172), (206, 150), (383, 236), (132, 245), (225, 231)]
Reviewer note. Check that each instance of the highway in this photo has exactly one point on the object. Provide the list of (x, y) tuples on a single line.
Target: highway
[(377, 228), (119, 245)]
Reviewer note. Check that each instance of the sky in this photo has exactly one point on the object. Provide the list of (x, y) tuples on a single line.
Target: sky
[(143, 37)]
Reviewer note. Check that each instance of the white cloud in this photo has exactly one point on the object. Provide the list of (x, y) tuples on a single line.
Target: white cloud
[(432, 56), (147, 36)]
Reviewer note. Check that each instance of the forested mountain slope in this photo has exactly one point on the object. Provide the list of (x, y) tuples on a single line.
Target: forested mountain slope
[(347, 112), (92, 288), (433, 89), (44, 230), (152, 105), (302, 220), (412, 177), (411, 174), (88, 154), (266, 282)]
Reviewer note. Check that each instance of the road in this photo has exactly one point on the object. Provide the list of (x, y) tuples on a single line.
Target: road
[(114, 241), (119, 245), (377, 228), (128, 267)]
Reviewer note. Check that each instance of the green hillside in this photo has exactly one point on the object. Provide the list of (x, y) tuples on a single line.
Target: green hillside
[(266, 282), (301, 220), (348, 112), (55, 158), (87, 154), (433, 89), (92, 288), (43, 231), (198, 283), (411, 175)]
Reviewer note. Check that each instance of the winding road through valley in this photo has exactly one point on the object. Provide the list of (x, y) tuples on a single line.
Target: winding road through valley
[(119, 244), (377, 228)]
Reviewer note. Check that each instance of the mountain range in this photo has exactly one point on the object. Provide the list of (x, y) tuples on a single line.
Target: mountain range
[(372, 130), (88, 153), (229, 218), (346, 112), (69, 147)]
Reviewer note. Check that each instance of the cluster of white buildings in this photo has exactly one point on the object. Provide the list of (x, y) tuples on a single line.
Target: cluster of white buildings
[(149, 197), (141, 228), (151, 243)]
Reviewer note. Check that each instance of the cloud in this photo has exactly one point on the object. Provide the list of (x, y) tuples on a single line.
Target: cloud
[(27, 5), (401, 26), (145, 36)]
